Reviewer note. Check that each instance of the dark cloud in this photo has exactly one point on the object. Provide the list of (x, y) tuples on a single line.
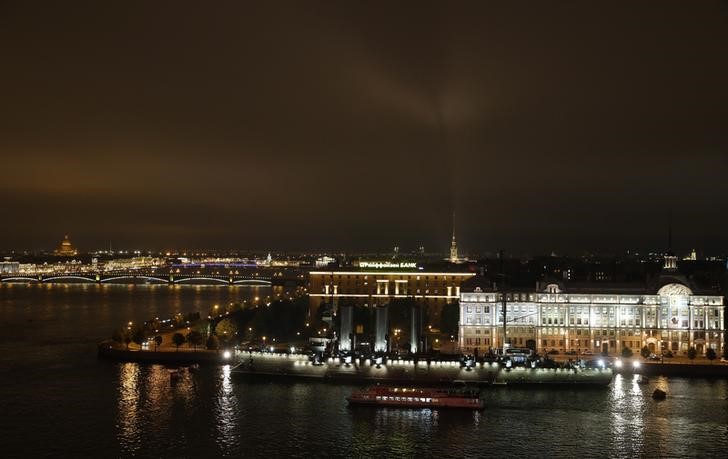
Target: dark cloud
[(360, 125)]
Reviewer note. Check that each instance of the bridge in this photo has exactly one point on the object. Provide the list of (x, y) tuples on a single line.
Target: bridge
[(140, 278)]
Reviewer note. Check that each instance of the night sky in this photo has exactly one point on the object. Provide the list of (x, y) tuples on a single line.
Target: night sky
[(567, 126)]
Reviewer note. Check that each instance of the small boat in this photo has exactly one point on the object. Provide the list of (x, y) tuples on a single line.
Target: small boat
[(195, 367), (174, 376), (643, 379), (659, 394), (416, 398)]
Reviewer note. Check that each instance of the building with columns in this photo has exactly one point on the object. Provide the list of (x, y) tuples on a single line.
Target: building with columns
[(376, 284), (669, 314)]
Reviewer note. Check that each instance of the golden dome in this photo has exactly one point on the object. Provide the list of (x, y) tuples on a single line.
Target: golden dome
[(66, 248)]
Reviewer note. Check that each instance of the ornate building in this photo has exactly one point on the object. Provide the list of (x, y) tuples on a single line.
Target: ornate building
[(668, 314), (66, 249)]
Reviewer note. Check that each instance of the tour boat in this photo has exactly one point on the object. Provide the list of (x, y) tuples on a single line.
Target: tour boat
[(416, 398)]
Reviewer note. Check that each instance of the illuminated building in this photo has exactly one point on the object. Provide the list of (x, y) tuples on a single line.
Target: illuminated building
[(66, 249), (9, 267), (667, 315), (376, 287)]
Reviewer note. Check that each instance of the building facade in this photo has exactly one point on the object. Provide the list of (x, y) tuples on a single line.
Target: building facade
[(9, 267), (670, 318), (372, 287)]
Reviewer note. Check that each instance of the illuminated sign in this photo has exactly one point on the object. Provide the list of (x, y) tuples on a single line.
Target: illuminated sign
[(387, 264)]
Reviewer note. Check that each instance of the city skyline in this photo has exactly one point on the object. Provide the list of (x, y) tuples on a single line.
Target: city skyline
[(346, 228)]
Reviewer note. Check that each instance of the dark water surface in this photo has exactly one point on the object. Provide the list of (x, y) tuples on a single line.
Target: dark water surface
[(58, 399)]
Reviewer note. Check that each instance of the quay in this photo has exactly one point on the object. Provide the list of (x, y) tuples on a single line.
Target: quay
[(167, 356), (400, 371), (413, 372)]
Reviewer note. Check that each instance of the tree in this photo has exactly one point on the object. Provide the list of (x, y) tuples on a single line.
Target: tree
[(645, 352), (692, 353), (194, 338), (118, 335), (711, 355), (178, 339), (627, 352), (138, 336), (227, 328), (157, 342), (213, 343)]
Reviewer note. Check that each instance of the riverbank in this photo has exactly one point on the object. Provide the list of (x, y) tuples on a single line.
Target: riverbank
[(165, 356), (412, 372)]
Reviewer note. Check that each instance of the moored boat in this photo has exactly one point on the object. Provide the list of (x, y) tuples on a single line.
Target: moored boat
[(416, 398)]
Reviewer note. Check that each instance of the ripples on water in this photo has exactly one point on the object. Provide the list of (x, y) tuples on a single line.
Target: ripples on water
[(58, 399)]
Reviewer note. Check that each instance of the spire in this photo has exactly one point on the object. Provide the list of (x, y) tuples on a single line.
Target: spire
[(453, 245), (453, 227)]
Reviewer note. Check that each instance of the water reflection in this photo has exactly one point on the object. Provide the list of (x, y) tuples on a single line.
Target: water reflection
[(226, 413), (128, 418), (627, 416), (392, 431)]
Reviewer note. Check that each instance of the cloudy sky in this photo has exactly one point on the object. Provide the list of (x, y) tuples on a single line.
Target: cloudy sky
[(346, 125)]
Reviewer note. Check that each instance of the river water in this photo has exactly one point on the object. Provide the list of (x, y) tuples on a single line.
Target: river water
[(58, 399)]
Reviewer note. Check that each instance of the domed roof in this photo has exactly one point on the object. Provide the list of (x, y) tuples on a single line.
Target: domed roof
[(674, 289), (66, 248)]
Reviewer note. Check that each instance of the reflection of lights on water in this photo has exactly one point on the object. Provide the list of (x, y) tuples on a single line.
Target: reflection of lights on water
[(476, 417), (626, 414), (128, 422), (226, 408)]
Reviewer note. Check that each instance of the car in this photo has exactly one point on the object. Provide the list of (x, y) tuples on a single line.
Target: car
[(653, 357), (571, 352), (587, 352), (667, 353), (553, 351)]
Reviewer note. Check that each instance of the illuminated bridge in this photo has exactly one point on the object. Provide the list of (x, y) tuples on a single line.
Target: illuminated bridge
[(141, 278)]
